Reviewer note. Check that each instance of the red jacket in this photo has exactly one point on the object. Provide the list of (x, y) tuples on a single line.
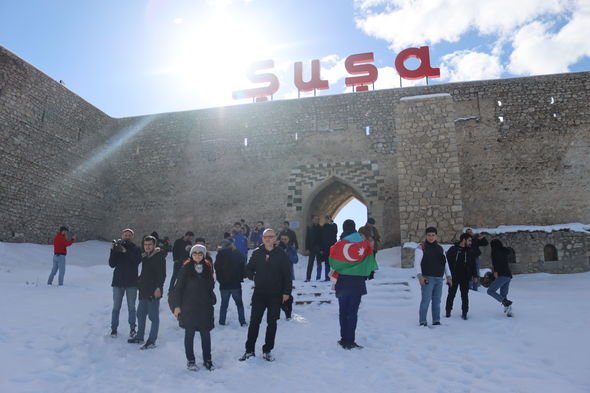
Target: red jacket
[(60, 242)]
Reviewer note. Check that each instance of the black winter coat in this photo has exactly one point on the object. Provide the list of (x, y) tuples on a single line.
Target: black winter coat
[(153, 273), (271, 271), (329, 236), (194, 295), (230, 268), (476, 243), (313, 239), (500, 261), (461, 262), (179, 251), (126, 265)]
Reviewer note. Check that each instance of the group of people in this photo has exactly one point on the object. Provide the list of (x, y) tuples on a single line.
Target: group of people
[(191, 295), (459, 266)]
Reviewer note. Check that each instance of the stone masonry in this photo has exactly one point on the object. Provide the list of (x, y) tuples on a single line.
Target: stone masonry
[(479, 154)]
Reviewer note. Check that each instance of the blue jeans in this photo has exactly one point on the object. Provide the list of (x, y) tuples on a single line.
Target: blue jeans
[(475, 285), (502, 283), (131, 294), (236, 294), (348, 313), (151, 309), (432, 291), (59, 263)]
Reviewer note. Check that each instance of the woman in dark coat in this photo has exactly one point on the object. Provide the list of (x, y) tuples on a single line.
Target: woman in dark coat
[(193, 302)]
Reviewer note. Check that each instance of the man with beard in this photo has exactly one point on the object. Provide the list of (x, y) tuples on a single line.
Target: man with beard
[(461, 259)]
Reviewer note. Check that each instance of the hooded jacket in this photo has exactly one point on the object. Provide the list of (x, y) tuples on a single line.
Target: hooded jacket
[(153, 273)]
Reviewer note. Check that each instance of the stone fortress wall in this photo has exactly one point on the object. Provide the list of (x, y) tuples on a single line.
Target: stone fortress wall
[(479, 154)]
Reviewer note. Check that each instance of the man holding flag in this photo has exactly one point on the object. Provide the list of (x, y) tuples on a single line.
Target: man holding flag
[(352, 262)]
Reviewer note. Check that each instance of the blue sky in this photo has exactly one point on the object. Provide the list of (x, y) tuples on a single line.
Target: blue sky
[(140, 57)]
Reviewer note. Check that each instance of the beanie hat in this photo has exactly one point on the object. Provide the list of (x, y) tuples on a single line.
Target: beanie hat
[(128, 230), (198, 248), (226, 243)]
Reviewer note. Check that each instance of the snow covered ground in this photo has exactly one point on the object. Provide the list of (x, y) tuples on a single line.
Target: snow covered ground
[(55, 339)]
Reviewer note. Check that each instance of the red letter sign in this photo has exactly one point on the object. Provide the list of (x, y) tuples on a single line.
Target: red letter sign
[(259, 93), (424, 70), (355, 66), (315, 82)]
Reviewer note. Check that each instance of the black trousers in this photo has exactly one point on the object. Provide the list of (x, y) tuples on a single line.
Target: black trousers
[(189, 338), (463, 284), (313, 255), (272, 305)]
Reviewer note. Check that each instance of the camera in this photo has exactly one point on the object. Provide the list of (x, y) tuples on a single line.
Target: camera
[(118, 245)]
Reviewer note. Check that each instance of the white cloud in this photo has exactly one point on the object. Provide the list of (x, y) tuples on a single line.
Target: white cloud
[(406, 23), (389, 79), (538, 51), (469, 65)]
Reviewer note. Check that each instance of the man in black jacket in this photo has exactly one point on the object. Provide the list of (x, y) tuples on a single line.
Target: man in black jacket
[(151, 284), (269, 268), (230, 267), (313, 246), (329, 238), (125, 258), (461, 259), (179, 255)]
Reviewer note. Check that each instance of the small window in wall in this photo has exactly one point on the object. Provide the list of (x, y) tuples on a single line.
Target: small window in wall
[(550, 253)]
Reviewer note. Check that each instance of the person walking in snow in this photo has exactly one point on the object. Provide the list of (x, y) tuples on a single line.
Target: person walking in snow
[(193, 302), (269, 269), (431, 268), (124, 258), (230, 269), (502, 275), (461, 259), (60, 245), (151, 285)]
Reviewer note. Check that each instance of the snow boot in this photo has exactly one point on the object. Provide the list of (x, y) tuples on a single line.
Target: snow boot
[(113, 333), (246, 356), (268, 357), (506, 303), (191, 365), (148, 345)]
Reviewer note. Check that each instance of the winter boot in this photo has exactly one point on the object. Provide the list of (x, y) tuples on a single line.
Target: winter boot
[(209, 365), (506, 303), (355, 346), (246, 356), (191, 365), (148, 345), (132, 332), (113, 333), (464, 316), (268, 357), (135, 340)]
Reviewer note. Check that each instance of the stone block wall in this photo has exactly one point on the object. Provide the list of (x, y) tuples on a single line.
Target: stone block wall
[(428, 166), (48, 135)]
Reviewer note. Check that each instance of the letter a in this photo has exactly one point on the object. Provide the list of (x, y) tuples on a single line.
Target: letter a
[(424, 70)]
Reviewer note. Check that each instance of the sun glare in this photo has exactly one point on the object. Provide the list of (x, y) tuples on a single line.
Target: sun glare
[(212, 58)]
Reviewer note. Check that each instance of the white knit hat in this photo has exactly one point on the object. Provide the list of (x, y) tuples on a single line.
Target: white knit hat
[(198, 248)]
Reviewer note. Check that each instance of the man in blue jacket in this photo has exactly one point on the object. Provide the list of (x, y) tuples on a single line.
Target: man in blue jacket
[(125, 258)]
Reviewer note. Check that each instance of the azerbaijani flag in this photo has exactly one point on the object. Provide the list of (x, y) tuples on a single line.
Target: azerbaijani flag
[(353, 258)]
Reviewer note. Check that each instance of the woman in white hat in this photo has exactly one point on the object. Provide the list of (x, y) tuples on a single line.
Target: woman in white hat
[(193, 302)]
